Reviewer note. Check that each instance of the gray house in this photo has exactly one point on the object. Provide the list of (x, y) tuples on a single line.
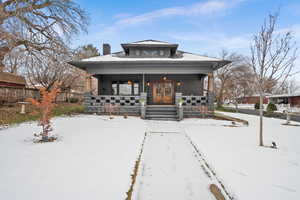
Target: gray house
[(153, 79)]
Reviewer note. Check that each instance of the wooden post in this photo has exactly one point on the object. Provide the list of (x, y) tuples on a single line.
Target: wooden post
[(88, 83), (210, 84), (210, 93), (143, 82)]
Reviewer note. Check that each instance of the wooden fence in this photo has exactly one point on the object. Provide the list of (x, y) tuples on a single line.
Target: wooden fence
[(13, 95)]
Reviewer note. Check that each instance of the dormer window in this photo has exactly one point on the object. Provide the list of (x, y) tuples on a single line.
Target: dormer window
[(150, 49)]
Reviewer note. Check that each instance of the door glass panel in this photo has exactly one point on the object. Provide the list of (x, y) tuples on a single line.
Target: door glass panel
[(168, 91), (158, 90)]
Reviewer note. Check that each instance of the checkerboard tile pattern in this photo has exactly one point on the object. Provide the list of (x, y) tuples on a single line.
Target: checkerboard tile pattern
[(102, 100), (194, 100)]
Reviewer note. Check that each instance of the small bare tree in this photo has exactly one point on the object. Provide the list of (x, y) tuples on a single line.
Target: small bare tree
[(272, 58)]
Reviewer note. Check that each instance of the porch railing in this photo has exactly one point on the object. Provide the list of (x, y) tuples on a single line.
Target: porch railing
[(194, 100), (114, 104), (114, 100)]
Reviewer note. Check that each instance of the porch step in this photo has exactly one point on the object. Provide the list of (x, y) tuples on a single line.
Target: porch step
[(161, 113), (163, 119)]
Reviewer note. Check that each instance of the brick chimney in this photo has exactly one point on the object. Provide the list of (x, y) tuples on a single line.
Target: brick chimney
[(106, 49)]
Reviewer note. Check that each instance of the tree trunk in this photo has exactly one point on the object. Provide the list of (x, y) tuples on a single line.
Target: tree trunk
[(261, 112)]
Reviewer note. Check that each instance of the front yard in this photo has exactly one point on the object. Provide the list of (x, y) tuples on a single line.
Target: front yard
[(95, 157)]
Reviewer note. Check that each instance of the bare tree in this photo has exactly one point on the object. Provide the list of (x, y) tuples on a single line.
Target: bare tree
[(235, 86), (47, 68), (14, 61), (240, 84), (82, 52), (223, 75), (38, 25), (86, 51), (272, 59), (290, 86)]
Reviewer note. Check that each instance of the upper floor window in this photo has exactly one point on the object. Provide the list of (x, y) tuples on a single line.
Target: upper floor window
[(148, 52), (151, 52)]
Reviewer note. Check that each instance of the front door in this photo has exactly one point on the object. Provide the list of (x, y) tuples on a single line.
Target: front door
[(163, 92)]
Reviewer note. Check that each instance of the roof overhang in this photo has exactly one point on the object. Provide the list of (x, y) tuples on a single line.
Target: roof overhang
[(149, 67)]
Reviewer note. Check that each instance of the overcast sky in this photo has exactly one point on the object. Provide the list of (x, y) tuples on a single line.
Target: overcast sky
[(199, 26)]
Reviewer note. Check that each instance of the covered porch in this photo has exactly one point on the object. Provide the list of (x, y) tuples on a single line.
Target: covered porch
[(131, 93)]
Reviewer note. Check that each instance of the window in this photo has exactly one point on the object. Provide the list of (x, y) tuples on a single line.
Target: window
[(114, 88), (125, 88), (136, 89), (149, 52)]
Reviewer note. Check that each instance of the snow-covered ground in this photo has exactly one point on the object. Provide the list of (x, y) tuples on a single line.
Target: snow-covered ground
[(251, 172), (280, 107), (170, 170), (95, 158)]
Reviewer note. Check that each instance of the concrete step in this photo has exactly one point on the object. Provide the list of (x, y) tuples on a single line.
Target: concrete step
[(162, 119), (162, 116), (161, 112), (161, 109), (172, 112)]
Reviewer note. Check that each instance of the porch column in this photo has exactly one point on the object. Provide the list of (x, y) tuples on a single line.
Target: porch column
[(210, 91), (143, 82), (143, 103), (88, 83)]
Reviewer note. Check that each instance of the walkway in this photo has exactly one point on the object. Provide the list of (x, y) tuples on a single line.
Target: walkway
[(170, 167)]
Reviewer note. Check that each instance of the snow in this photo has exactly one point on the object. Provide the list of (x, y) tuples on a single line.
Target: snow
[(251, 172), (280, 107), (95, 158), (169, 170), (115, 57)]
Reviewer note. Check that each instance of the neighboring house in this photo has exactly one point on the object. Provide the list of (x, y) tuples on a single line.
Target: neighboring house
[(151, 73), (12, 80), (251, 99), (12, 87), (292, 99)]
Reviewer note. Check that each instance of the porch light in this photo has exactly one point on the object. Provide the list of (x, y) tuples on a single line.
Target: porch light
[(164, 78), (178, 83), (129, 82), (148, 83)]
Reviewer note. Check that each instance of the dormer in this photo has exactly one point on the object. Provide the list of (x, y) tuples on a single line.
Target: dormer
[(150, 49)]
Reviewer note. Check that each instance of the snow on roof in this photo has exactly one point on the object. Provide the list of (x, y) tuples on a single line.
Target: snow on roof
[(156, 42), (285, 95), (119, 56)]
